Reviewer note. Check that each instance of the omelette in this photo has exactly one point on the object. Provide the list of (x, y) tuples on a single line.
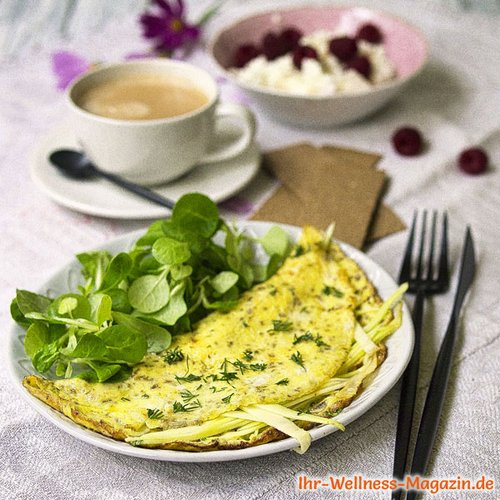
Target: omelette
[(291, 354)]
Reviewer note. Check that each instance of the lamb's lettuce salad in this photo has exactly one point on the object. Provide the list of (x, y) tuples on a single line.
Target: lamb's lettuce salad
[(132, 303)]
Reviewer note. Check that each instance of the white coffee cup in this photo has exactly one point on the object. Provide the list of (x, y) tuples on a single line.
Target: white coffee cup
[(154, 151)]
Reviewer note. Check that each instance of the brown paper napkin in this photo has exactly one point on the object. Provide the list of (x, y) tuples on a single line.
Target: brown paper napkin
[(329, 184)]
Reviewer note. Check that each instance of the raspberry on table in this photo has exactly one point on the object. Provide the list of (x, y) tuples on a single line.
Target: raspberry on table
[(473, 161), (407, 141)]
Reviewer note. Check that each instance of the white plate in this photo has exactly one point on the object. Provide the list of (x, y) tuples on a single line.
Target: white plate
[(399, 345), (99, 197)]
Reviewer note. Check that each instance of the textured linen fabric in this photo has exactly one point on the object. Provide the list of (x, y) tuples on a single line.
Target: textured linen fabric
[(454, 102)]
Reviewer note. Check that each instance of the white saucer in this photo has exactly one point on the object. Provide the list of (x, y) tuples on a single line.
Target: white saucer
[(99, 197)]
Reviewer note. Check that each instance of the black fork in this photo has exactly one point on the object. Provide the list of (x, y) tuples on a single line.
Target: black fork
[(423, 280)]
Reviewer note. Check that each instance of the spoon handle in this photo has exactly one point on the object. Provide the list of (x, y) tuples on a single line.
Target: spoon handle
[(137, 189)]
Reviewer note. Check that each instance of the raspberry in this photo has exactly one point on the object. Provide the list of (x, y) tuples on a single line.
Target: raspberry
[(369, 33), (290, 38), (473, 161), (244, 54), (362, 65), (273, 46), (407, 141), (343, 48), (301, 53)]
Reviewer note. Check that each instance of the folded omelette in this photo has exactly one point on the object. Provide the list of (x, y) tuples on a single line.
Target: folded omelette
[(294, 351)]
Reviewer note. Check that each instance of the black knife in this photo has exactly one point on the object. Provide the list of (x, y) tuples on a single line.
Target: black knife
[(439, 382)]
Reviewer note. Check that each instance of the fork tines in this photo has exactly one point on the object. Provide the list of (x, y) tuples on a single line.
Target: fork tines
[(421, 273)]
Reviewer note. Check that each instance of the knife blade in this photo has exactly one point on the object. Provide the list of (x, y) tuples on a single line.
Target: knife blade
[(431, 414)]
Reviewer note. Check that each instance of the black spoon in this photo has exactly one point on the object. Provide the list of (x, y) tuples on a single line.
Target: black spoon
[(77, 166)]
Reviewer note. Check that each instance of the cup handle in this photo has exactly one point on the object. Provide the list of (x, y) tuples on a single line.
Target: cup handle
[(246, 119)]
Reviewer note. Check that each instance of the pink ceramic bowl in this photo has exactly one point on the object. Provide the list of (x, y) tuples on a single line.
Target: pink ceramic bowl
[(405, 47)]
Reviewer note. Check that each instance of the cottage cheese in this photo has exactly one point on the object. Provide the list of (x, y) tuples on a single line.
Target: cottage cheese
[(325, 76)]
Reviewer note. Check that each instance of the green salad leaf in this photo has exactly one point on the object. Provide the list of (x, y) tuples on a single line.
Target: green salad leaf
[(37, 336), (170, 252), (28, 302), (149, 293), (132, 303), (116, 271), (158, 339)]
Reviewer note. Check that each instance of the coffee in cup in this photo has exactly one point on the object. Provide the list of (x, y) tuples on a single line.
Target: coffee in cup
[(151, 121), (142, 96)]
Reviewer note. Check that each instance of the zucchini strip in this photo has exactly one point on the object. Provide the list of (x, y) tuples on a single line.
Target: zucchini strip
[(280, 423)]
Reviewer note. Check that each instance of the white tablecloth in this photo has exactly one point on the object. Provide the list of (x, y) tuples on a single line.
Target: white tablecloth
[(454, 102)]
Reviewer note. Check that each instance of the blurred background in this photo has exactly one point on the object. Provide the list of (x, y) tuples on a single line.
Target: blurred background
[(27, 23)]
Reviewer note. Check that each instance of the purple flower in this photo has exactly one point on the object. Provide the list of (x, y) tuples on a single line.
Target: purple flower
[(167, 26), (67, 66)]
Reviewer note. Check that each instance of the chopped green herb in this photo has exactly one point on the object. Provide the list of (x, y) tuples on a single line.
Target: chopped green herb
[(245, 324), (303, 338), (188, 378), (331, 290), (283, 381), (178, 407), (280, 326), (224, 364), (308, 336), (226, 376), (125, 399), (227, 399), (174, 356), (214, 389), (319, 341), (240, 365), (155, 413), (297, 358), (188, 396), (145, 396), (258, 367), (248, 355)]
